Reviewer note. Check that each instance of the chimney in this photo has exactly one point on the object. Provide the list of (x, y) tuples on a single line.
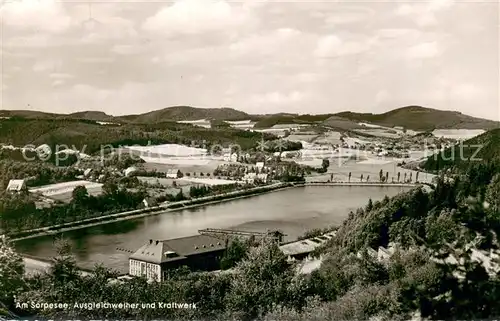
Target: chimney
[(157, 242), (150, 241)]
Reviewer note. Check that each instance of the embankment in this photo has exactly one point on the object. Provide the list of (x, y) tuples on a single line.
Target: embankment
[(170, 207), (376, 184)]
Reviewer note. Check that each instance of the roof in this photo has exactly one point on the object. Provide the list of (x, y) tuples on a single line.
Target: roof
[(162, 251), (15, 185), (306, 246)]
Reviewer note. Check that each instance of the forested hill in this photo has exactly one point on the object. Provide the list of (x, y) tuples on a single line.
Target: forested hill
[(91, 135), (411, 117), (422, 119), (483, 148), (175, 113)]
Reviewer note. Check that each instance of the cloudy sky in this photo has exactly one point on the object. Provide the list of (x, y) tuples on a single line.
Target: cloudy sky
[(125, 57)]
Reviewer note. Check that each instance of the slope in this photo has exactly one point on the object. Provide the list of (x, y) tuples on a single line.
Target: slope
[(422, 119), (483, 148), (177, 113)]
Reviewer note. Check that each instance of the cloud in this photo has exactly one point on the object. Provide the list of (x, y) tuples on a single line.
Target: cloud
[(466, 91), (269, 43), (424, 14), (381, 97), (61, 76), (128, 49), (46, 65), (279, 98), (424, 50), (349, 15), (40, 15), (107, 28), (332, 46), (194, 17)]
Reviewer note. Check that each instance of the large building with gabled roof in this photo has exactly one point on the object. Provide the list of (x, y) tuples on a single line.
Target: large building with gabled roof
[(198, 253)]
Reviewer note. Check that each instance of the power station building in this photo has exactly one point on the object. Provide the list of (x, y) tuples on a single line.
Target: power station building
[(198, 253)]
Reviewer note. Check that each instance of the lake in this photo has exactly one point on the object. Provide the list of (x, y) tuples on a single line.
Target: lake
[(294, 211)]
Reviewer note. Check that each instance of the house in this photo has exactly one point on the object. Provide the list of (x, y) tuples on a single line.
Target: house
[(87, 172), (129, 171), (149, 202), (173, 173), (156, 258), (251, 177), (16, 185)]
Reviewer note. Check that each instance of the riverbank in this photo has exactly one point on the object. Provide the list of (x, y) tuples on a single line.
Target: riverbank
[(376, 184), (181, 205), (128, 215)]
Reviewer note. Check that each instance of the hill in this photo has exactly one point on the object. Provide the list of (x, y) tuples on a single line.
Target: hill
[(483, 148), (422, 119), (177, 113), (92, 115), (88, 136), (29, 114), (411, 117), (342, 123)]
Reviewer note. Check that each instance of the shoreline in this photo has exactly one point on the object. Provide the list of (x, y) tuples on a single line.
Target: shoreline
[(182, 205)]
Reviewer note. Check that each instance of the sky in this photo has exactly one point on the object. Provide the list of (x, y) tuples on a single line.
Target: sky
[(307, 56)]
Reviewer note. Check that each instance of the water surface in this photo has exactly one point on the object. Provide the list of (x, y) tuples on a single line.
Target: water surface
[(294, 211)]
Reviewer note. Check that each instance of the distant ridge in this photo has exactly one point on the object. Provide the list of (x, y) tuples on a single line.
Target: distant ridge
[(175, 113), (410, 117), (422, 119), (178, 113)]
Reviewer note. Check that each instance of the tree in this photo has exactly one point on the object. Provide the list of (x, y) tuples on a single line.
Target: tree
[(350, 176), (325, 164), (411, 176), (11, 273), (64, 269), (80, 194), (386, 176), (235, 252), (416, 177), (367, 178), (399, 176), (493, 196), (404, 181), (260, 280), (110, 188), (369, 206), (381, 175), (361, 177)]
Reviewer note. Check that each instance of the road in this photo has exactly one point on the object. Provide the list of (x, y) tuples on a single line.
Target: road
[(32, 267)]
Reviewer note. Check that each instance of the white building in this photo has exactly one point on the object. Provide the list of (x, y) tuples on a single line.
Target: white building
[(16, 185), (251, 177), (173, 173), (129, 171), (155, 258)]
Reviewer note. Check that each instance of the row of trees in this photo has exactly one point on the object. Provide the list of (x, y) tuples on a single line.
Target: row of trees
[(19, 212)]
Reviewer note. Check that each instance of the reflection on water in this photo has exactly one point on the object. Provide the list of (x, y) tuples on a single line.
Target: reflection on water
[(294, 211)]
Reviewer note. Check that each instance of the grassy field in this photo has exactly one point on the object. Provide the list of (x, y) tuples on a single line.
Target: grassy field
[(187, 168), (341, 169)]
